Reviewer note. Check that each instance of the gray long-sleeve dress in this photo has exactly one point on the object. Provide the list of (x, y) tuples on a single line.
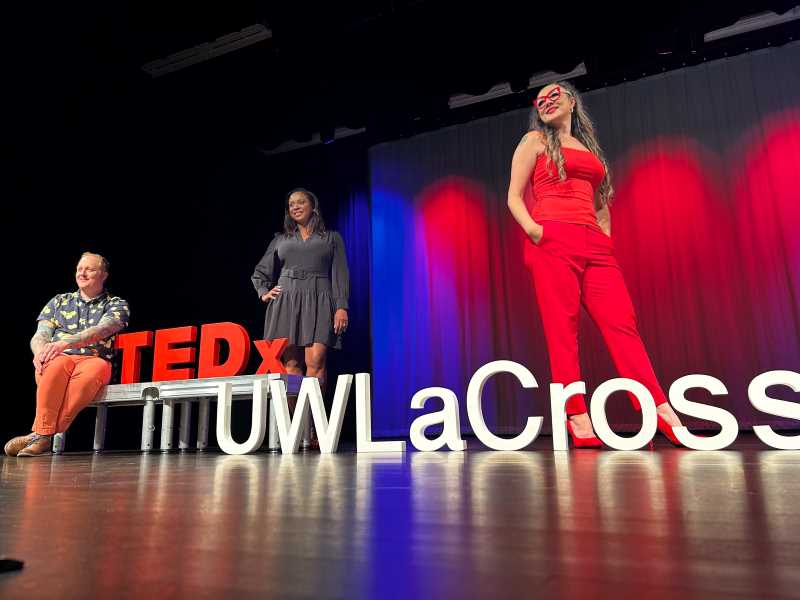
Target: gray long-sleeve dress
[(315, 282)]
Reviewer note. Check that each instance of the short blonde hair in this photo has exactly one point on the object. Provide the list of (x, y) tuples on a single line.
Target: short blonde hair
[(103, 261)]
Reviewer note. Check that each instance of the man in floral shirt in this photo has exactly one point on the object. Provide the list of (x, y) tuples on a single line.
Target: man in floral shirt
[(72, 351)]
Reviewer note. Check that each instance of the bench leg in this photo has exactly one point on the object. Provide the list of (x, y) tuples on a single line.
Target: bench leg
[(167, 422), (202, 425), (148, 424), (59, 441), (184, 433), (100, 428)]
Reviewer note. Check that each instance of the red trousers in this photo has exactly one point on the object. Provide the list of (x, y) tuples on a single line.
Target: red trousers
[(573, 265), (66, 386)]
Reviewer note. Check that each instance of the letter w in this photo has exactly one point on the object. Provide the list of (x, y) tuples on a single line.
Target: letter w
[(289, 428)]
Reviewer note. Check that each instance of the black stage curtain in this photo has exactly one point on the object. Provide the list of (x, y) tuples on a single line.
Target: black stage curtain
[(183, 221)]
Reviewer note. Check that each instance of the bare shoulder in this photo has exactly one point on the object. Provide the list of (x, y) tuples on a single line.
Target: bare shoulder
[(531, 144), (536, 137)]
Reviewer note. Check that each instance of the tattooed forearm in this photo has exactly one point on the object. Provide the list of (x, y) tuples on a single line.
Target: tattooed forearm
[(43, 335), (107, 327)]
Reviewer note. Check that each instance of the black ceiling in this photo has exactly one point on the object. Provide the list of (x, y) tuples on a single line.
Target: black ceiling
[(74, 69)]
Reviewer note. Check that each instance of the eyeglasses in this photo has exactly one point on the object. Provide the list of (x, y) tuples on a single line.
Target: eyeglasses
[(551, 96)]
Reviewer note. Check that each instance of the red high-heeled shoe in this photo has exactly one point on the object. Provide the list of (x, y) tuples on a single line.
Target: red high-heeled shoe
[(580, 442), (666, 429)]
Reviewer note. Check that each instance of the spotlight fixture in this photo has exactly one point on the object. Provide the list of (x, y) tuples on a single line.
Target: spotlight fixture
[(326, 137), (752, 23), (506, 89)]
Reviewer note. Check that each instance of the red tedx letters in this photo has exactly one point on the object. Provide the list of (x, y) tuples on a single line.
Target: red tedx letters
[(174, 353)]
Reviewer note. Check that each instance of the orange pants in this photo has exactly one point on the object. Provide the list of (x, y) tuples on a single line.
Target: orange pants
[(67, 384)]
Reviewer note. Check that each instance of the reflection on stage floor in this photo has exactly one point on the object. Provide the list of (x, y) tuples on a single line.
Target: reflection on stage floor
[(583, 524)]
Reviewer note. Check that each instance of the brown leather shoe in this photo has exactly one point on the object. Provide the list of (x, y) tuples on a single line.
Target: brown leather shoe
[(39, 445), (13, 446)]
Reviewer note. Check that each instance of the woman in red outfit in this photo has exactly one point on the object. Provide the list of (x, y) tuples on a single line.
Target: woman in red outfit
[(571, 254)]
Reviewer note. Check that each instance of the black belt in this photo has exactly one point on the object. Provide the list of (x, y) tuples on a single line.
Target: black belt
[(301, 274)]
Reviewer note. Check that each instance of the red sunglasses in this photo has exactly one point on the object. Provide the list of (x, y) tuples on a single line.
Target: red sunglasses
[(552, 96)]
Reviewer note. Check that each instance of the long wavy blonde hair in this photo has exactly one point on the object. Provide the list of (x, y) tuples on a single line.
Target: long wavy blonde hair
[(583, 130)]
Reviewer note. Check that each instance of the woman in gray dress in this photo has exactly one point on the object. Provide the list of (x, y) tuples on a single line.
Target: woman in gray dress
[(304, 280)]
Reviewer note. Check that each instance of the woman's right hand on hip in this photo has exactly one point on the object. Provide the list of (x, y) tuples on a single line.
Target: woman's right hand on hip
[(272, 294)]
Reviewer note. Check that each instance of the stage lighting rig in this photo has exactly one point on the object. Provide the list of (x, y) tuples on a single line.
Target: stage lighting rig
[(203, 52)]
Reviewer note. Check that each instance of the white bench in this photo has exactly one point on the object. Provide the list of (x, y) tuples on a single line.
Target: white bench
[(183, 392)]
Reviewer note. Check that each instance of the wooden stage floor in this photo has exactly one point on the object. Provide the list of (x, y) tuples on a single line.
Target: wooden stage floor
[(668, 523)]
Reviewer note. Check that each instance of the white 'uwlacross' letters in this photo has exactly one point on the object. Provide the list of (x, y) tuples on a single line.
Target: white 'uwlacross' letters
[(475, 406), (757, 392), (448, 417), (728, 423), (310, 398)]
